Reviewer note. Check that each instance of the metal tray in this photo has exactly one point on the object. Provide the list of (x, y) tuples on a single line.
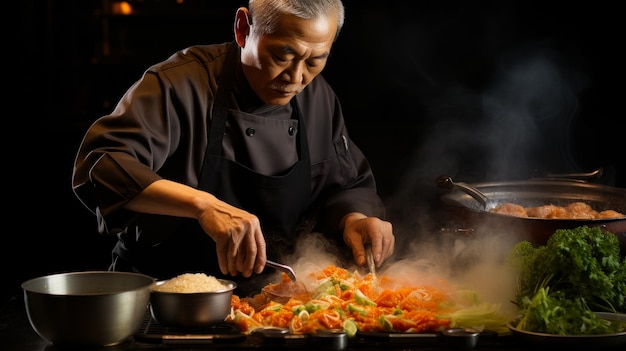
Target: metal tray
[(579, 342)]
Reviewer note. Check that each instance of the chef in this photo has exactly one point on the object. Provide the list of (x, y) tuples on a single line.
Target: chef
[(221, 156)]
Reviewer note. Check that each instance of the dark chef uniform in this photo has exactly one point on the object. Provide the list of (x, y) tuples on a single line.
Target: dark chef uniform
[(194, 119)]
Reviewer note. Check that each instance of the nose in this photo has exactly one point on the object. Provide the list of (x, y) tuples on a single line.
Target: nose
[(295, 73)]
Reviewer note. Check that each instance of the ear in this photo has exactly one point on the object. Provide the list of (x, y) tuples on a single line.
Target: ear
[(242, 26)]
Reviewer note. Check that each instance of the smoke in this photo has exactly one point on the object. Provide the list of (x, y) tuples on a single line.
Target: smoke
[(475, 263), (528, 114), (315, 252), (517, 125)]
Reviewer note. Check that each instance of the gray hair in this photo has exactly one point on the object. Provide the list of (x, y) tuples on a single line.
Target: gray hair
[(265, 13)]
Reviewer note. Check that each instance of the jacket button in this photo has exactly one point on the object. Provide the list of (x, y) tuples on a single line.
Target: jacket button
[(250, 131), (292, 130)]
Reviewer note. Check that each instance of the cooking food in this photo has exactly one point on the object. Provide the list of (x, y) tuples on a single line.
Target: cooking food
[(563, 283), (191, 283), (353, 302), (282, 292), (575, 210), (462, 211)]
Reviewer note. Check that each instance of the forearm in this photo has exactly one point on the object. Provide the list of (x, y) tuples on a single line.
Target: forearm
[(165, 197), (237, 233)]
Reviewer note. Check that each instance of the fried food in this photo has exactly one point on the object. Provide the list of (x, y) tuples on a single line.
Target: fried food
[(574, 210), (510, 209)]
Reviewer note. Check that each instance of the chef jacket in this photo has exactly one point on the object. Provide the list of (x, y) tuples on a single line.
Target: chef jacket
[(159, 130)]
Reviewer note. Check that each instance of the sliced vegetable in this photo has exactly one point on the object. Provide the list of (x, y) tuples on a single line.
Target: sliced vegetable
[(484, 316), (350, 327), (385, 324), (361, 299), (355, 309)]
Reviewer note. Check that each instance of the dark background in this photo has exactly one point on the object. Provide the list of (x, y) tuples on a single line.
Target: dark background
[(478, 90)]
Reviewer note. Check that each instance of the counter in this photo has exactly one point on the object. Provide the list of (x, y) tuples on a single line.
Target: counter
[(16, 334)]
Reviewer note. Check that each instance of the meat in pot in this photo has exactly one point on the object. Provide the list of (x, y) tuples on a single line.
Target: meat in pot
[(575, 210)]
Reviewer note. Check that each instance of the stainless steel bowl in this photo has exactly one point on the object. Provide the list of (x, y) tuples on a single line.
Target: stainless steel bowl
[(91, 309), (192, 309)]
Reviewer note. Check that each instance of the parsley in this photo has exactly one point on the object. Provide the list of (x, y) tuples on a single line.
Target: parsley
[(562, 283)]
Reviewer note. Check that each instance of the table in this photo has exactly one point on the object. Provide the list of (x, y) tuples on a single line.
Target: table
[(16, 334)]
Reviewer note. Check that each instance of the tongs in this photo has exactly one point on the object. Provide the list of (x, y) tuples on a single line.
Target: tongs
[(370, 261), (283, 268)]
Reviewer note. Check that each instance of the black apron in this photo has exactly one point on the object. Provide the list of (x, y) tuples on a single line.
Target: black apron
[(278, 201)]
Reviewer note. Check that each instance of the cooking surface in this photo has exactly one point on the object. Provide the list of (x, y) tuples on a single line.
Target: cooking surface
[(227, 336), (16, 334)]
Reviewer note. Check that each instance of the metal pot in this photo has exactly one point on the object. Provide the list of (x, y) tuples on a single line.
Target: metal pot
[(464, 211), (87, 309)]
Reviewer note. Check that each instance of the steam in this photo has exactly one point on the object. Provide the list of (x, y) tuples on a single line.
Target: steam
[(468, 263), (516, 126), (313, 253), (528, 112)]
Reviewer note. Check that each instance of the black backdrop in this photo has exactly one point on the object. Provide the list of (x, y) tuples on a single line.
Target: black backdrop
[(478, 90)]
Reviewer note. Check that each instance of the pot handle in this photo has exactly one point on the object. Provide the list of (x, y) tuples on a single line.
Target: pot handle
[(446, 182), (580, 177)]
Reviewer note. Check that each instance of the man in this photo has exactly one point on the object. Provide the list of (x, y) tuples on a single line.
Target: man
[(223, 154)]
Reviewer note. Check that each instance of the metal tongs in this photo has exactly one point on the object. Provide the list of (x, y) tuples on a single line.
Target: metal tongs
[(283, 268), (370, 261)]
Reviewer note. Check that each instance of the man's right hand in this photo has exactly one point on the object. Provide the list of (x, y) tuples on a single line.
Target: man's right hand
[(237, 233), (238, 237)]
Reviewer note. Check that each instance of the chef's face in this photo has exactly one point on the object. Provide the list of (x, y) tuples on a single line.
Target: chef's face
[(280, 65)]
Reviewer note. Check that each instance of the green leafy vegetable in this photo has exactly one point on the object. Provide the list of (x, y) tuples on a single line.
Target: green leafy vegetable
[(563, 316), (562, 283)]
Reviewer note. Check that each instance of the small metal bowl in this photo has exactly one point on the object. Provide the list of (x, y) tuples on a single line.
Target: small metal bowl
[(197, 309), (330, 339), (460, 338)]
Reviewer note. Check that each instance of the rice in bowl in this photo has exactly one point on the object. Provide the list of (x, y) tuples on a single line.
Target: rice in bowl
[(191, 283), (191, 300)]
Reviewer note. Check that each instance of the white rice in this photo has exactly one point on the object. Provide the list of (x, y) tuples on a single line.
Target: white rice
[(191, 283)]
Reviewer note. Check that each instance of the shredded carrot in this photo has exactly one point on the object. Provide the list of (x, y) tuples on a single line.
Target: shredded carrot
[(370, 303)]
